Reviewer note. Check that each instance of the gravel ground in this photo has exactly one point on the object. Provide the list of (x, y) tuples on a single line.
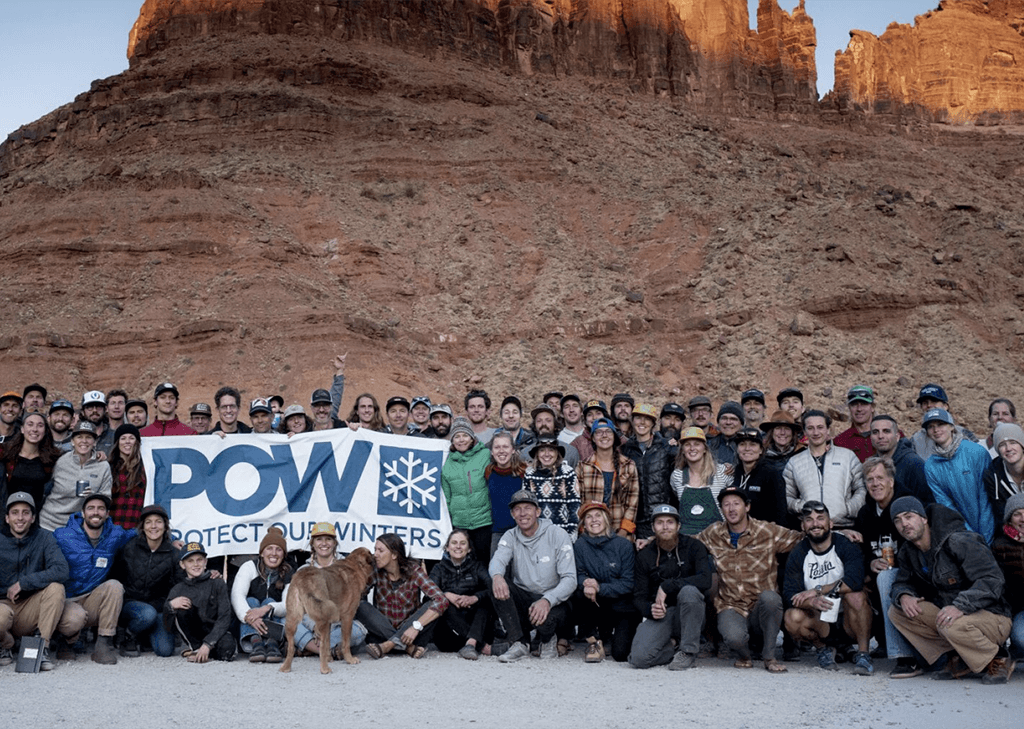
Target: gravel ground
[(443, 690)]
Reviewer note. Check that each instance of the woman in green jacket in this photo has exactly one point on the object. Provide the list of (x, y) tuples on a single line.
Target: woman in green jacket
[(465, 486)]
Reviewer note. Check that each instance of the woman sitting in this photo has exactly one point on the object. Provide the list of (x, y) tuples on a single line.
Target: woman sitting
[(553, 482), (147, 567), (258, 599), (603, 601), (696, 481), (128, 478), (466, 626), (398, 616)]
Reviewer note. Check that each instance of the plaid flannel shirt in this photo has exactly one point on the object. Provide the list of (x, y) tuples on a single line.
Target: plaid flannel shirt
[(398, 600), (625, 491)]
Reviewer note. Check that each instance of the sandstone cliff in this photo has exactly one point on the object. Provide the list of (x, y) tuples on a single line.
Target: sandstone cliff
[(701, 50), (963, 62)]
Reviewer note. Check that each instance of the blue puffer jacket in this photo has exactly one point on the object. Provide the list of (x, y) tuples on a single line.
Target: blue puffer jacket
[(89, 565), (957, 483), (609, 560)]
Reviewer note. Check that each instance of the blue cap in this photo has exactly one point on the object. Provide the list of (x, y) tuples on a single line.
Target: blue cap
[(602, 423), (931, 391), (936, 414)]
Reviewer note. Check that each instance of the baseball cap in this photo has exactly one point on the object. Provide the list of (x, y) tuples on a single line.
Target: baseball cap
[(85, 426), (936, 414), (166, 387), (94, 397), (642, 408), (293, 410), (596, 405), (34, 387), (693, 433), (420, 400), (860, 393), (522, 496), (320, 397), (201, 408), (788, 392), (664, 510), (21, 497), (673, 408), (441, 408), (396, 400), (733, 491), (11, 395), (931, 391), (192, 548), (698, 401), (259, 405), (752, 394), (61, 405)]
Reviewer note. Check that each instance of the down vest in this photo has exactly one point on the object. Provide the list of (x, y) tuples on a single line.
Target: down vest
[(654, 470)]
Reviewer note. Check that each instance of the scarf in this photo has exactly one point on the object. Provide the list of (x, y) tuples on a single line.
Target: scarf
[(951, 449)]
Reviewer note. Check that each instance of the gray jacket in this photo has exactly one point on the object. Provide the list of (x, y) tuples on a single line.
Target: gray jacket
[(840, 487), (544, 563), (62, 501)]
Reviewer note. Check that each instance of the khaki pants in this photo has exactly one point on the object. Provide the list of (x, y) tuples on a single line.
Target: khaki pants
[(98, 609), (976, 637), (40, 611)]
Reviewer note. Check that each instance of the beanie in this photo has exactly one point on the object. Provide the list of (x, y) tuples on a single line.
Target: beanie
[(273, 536), (732, 408), (1012, 504), (904, 504), (462, 425)]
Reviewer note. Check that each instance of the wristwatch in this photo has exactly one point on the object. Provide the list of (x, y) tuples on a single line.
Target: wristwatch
[(817, 589), (418, 625)]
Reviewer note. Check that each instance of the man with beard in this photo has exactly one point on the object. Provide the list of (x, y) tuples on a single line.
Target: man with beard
[(440, 421), (746, 554), (673, 415), (824, 568), (539, 560), (320, 405), (654, 458), (478, 406), (753, 407), (62, 412), (699, 408), (10, 411), (419, 412), (572, 416), (33, 398), (622, 413), (117, 404), (136, 412), (512, 421), (671, 576), (90, 542), (544, 423), (261, 416), (948, 594), (909, 467), (861, 402), (32, 575), (94, 409), (165, 421)]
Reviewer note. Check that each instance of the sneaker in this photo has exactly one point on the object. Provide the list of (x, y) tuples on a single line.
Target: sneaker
[(469, 653), (499, 647), (549, 649), (46, 664), (273, 651), (906, 668), (258, 653), (827, 658), (998, 671), (130, 646), (6, 657), (862, 665), (682, 661), (517, 652)]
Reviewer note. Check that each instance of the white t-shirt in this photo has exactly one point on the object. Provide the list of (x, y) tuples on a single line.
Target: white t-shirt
[(822, 569)]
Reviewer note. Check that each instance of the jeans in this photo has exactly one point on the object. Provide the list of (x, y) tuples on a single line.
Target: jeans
[(306, 631), (896, 646), (141, 618), (1017, 636), (246, 631)]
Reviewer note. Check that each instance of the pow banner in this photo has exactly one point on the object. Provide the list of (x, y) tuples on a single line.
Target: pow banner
[(226, 492)]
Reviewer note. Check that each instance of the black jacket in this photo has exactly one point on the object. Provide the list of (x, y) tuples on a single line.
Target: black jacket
[(1009, 553), (468, 578), (767, 491), (687, 564), (147, 576), (962, 571), (653, 469), (211, 601), (999, 489), (35, 560)]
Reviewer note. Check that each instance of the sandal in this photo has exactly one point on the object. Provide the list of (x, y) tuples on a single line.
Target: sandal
[(416, 651), (773, 665), (743, 663), (373, 650)]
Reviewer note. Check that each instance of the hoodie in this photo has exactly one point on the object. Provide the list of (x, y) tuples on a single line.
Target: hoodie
[(542, 564)]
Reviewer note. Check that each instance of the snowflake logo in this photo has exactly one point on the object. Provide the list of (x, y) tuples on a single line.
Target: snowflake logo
[(409, 483)]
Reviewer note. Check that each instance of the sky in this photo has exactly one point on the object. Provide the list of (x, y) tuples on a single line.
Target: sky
[(52, 50)]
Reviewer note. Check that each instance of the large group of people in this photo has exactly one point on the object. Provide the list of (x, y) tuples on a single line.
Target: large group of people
[(658, 536)]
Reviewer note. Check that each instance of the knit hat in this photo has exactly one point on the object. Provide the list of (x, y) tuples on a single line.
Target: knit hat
[(274, 536), (731, 408), (126, 429), (904, 504), (1007, 431), (462, 425), (1012, 504)]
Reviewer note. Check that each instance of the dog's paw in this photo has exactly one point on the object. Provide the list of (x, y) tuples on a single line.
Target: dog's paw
[(285, 669), (325, 671), (352, 661)]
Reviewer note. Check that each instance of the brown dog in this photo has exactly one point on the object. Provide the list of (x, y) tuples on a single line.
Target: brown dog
[(328, 595)]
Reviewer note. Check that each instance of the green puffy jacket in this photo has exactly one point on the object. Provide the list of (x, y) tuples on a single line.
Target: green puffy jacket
[(465, 488)]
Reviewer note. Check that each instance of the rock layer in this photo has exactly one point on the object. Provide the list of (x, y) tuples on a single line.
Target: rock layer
[(963, 62), (701, 50)]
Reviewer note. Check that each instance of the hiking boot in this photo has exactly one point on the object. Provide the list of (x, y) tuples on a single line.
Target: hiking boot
[(130, 645), (955, 669), (46, 664), (682, 661), (998, 671), (6, 657), (595, 652), (862, 665), (827, 658), (549, 649), (258, 653), (517, 652), (104, 653), (469, 653), (273, 651), (906, 668)]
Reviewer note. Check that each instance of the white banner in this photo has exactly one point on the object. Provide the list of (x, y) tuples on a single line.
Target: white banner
[(226, 492)]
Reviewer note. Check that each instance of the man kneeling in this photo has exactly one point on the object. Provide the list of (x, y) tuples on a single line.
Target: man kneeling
[(824, 570)]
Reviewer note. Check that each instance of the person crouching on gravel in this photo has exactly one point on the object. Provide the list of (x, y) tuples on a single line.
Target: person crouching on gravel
[(200, 610)]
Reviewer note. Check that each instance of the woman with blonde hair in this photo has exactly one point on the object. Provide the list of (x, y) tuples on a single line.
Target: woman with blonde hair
[(696, 481)]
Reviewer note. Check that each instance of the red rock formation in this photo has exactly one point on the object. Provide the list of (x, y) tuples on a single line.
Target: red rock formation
[(963, 62), (701, 50)]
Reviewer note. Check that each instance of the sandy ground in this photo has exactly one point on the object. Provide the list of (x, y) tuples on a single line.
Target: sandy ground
[(443, 690)]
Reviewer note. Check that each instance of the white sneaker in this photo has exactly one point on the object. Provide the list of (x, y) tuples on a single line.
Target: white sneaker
[(518, 651), (550, 649)]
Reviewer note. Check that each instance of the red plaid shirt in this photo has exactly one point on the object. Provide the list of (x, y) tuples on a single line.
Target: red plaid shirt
[(126, 501), (398, 600)]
